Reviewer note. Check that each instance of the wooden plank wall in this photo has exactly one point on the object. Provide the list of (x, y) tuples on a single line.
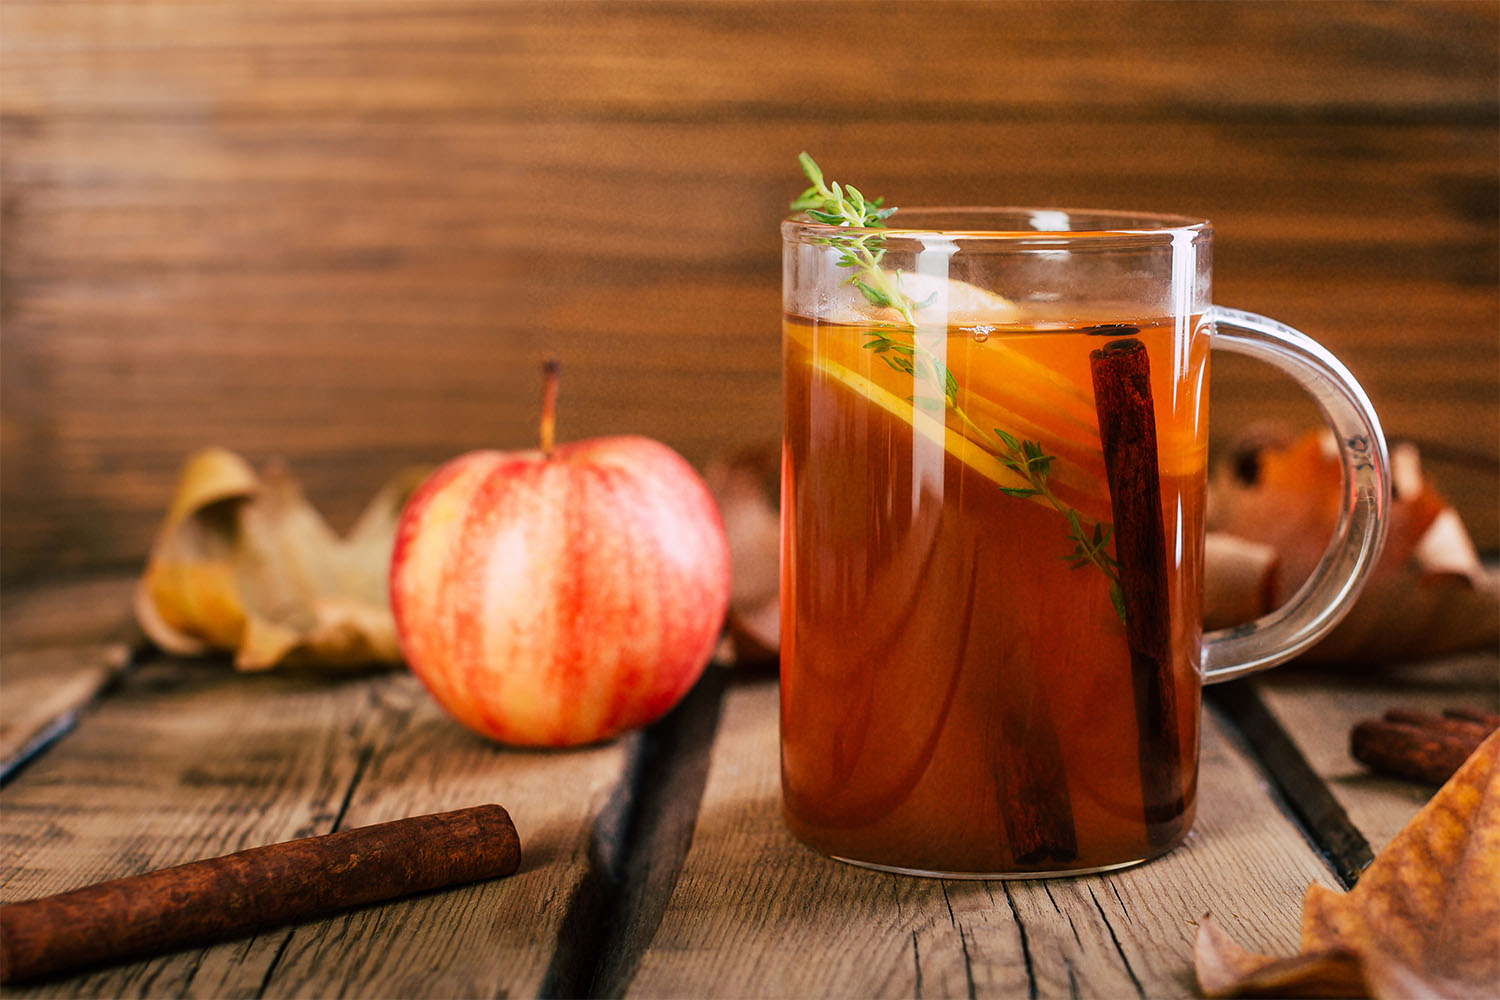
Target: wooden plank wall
[(346, 232)]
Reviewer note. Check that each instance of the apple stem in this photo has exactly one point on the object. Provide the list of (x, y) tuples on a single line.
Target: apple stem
[(551, 368)]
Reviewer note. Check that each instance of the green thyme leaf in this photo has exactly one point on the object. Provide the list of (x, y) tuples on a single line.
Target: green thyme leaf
[(811, 170), (874, 296)]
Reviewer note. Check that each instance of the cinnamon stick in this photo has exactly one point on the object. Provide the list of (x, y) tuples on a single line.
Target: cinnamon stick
[(1127, 428), (1420, 746), (206, 900), (1038, 810), (1467, 730)]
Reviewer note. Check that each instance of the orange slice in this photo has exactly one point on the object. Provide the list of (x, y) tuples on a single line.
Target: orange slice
[(945, 304), (1071, 483)]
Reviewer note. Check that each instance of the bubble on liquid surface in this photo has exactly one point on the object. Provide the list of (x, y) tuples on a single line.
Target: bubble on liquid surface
[(980, 334)]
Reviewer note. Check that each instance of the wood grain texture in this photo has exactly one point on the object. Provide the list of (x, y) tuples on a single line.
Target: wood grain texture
[(597, 57), (189, 760), (797, 924), (346, 232), (1301, 791)]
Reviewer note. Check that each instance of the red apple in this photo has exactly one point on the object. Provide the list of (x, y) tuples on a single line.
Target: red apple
[(562, 595)]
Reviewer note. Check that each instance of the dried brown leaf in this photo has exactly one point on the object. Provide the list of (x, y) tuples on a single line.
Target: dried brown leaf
[(1219, 961), (1428, 595), (243, 563), (1225, 969), (1423, 920)]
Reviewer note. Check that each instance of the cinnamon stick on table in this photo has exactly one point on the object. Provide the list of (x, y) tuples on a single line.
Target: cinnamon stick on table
[(1420, 746), (1489, 720), (1127, 427), (207, 900)]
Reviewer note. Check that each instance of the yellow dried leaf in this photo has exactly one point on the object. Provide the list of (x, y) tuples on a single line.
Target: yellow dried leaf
[(1423, 921), (1431, 900), (243, 563)]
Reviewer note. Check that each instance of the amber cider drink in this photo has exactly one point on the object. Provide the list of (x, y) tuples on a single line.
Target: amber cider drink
[(960, 692)]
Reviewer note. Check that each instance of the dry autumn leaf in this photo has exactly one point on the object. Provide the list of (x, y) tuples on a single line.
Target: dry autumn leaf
[(1276, 499), (1423, 921), (244, 563)]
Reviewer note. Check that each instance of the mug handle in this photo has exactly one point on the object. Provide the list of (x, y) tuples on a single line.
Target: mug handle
[(1340, 575)]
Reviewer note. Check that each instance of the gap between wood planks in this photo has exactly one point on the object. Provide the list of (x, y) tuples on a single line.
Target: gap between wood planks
[(639, 844), (64, 647), (1299, 791), (120, 662)]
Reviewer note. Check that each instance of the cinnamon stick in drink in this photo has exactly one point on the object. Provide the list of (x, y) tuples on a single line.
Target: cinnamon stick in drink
[(1127, 427), (1037, 807), (206, 900)]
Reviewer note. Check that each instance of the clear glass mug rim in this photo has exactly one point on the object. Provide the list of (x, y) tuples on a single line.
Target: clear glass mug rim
[(1013, 225)]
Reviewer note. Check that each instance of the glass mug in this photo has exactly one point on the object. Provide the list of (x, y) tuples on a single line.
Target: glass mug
[(993, 485)]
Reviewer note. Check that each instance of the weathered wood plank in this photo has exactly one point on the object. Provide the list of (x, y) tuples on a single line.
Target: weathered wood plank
[(1302, 791), (653, 839), (184, 761), (60, 645), (44, 691), (493, 939), (756, 914), (1319, 708), (189, 760)]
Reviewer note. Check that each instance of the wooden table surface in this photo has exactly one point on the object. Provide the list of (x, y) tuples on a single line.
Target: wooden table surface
[(656, 865)]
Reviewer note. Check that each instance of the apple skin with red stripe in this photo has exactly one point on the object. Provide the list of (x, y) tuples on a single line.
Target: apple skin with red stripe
[(561, 597)]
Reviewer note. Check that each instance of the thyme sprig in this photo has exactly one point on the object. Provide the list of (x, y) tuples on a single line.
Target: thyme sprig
[(837, 205), (1028, 460), (918, 362), (845, 205)]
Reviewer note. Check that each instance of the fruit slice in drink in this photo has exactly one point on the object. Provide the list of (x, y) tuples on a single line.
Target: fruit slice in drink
[(1038, 404)]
